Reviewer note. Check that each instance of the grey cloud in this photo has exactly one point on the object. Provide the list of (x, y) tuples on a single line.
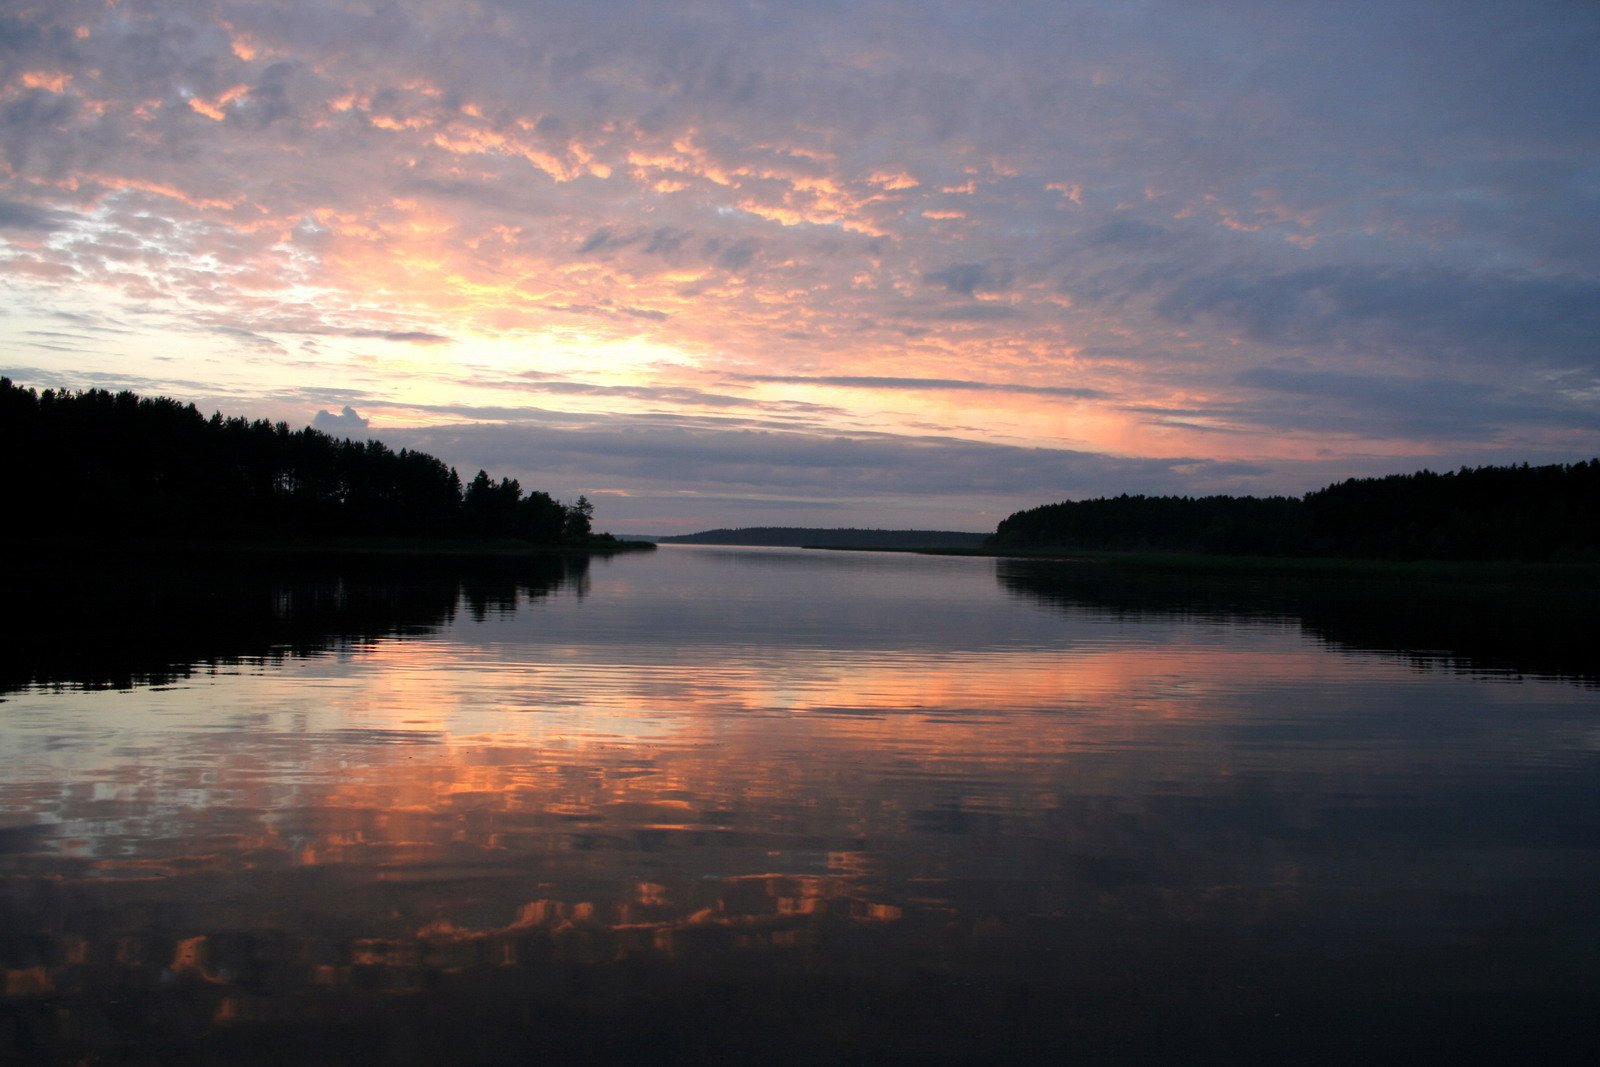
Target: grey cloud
[(240, 333), (604, 240), (417, 337), (732, 255), (345, 424), (1129, 233), (969, 278), (16, 215), (650, 314), (651, 394), (29, 130), (973, 313), (685, 454), (666, 395), (321, 394), (1183, 419), (665, 241), (1418, 408), (479, 194), (922, 384), (45, 378), (272, 98), (1423, 312), (1474, 420), (91, 321), (20, 34)]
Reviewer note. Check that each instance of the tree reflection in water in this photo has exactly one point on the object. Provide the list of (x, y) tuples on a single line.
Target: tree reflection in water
[(120, 619), (1485, 627)]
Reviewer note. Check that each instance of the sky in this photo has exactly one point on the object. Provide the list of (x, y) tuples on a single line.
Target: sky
[(904, 263)]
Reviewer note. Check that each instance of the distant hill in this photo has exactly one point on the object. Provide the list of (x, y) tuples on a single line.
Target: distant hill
[(806, 537), (1482, 513)]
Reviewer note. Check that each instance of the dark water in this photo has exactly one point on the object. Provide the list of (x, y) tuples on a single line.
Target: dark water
[(724, 806)]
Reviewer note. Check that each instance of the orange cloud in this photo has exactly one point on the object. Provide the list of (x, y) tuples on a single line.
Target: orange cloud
[(213, 108), (50, 81)]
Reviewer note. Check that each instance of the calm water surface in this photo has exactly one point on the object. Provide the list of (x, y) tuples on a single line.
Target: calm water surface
[(717, 805)]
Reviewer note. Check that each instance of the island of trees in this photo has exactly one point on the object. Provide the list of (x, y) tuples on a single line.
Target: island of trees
[(1547, 513), (103, 465)]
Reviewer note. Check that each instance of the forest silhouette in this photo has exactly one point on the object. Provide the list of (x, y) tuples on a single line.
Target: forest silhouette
[(1548, 513), (117, 465)]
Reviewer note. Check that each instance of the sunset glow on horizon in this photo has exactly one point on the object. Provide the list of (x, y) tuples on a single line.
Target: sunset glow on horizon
[(888, 264)]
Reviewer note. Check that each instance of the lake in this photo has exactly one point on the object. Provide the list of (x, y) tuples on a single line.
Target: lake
[(714, 805)]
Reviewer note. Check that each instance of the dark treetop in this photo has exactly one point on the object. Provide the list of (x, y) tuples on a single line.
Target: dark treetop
[(97, 464)]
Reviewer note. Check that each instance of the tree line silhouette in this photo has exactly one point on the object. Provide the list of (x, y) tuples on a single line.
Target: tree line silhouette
[(1548, 513), (94, 463)]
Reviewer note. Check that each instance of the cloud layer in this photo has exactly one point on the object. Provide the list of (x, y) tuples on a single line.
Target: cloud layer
[(1085, 247)]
